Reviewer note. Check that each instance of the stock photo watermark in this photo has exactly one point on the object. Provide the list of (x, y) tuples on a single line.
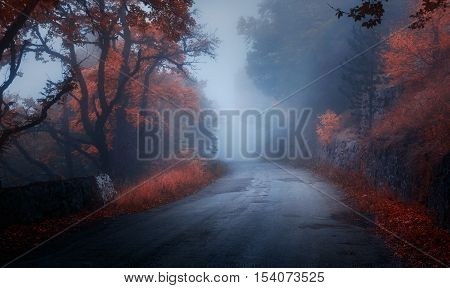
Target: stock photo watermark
[(226, 134)]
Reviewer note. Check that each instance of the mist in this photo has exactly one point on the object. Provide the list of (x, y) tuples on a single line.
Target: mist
[(228, 84), (193, 133)]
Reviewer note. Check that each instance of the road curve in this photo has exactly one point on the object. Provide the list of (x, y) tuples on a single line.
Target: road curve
[(257, 215)]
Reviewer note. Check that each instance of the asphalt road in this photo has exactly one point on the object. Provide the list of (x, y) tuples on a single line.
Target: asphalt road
[(257, 215)]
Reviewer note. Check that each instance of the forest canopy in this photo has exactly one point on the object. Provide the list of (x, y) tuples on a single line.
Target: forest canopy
[(120, 56)]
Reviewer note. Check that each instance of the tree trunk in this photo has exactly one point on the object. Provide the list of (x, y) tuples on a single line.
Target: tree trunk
[(13, 29), (66, 146)]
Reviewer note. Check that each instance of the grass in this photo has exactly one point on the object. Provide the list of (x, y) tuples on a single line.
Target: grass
[(176, 183)]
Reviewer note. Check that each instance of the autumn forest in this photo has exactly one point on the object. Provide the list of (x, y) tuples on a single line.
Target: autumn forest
[(99, 146)]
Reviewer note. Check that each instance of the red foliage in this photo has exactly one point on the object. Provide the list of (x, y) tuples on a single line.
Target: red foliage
[(165, 88), (420, 236), (11, 9), (174, 184), (329, 124), (419, 61)]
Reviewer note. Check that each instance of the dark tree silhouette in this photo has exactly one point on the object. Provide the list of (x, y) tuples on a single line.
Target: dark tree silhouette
[(361, 77), (132, 37), (370, 13), (14, 17)]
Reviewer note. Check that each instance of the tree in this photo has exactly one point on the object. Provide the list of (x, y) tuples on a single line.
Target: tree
[(413, 56), (419, 61), (361, 78), (14, 120), (289, 47), (14, 19), (130, 40), (329, 124), (370, 12)]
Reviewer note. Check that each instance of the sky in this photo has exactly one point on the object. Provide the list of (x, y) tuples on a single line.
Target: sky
[(35, 76)]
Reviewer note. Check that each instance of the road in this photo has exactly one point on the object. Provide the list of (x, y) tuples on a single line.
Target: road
[(257, 215)]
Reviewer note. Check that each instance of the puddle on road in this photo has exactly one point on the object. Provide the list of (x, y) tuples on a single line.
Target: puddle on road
[(232, 185)]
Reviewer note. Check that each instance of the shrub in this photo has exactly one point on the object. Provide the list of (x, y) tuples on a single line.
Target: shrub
[(329, 124)]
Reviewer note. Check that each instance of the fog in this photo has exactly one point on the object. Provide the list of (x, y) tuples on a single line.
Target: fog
[(280, 47), (228, 85)]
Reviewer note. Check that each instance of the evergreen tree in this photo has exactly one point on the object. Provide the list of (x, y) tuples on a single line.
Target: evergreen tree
[(361, 77)]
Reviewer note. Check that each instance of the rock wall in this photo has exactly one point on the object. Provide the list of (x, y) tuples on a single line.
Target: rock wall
[(392, 166), (344, 154), (43, 200)]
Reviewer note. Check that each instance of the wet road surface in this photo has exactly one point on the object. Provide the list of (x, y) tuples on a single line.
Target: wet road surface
[(257, 215)]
